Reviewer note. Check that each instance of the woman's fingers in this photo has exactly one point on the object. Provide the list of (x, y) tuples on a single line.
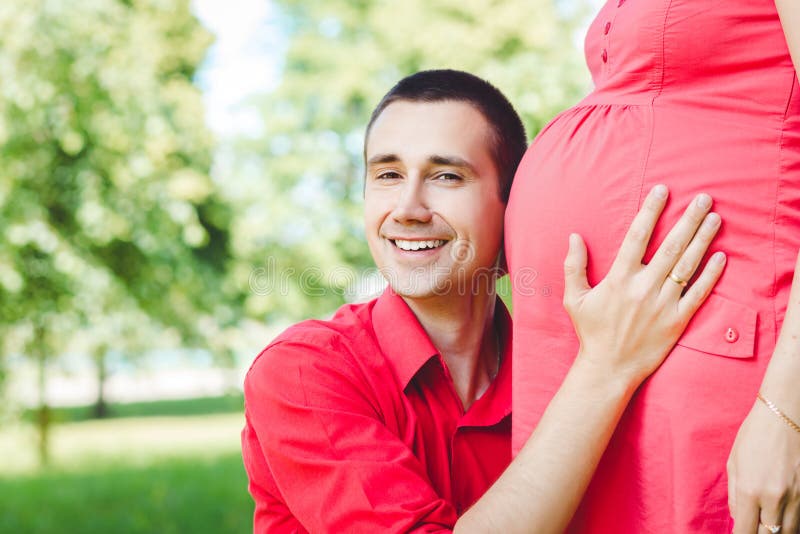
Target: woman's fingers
[(791, 516), (575, 281), (700, 289), (686, 266), (631, 252), (730, 468), (772, 512), (678, 239), (745, 517), (772, 516), (764, 527)]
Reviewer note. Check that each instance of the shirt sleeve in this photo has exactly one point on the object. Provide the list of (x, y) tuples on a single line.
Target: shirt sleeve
[(336, 465)]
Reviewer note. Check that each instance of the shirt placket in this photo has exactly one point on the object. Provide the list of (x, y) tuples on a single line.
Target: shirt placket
[(608, 27)]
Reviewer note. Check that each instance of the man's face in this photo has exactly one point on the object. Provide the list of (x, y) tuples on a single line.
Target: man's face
[(432, 209)]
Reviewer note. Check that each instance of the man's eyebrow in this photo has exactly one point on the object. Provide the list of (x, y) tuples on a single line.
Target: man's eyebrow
[(447, 161), (452, 161), (378, 159)]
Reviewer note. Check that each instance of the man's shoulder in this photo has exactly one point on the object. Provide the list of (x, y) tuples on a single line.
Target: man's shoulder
[(333, 341), (349, 324)]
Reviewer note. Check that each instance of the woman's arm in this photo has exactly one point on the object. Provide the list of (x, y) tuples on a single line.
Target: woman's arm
[(627, 324), (764, 465), (789, 11)]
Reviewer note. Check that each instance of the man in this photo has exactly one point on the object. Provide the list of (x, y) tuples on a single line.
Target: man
[(395, 414)]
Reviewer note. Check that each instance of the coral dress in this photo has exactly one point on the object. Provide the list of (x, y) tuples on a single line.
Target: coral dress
[(700, 95)]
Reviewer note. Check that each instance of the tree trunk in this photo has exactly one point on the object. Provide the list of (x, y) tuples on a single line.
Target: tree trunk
[(43, 416), (100, 409)]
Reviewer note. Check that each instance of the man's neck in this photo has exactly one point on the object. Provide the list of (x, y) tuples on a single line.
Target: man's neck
[(462, 329)]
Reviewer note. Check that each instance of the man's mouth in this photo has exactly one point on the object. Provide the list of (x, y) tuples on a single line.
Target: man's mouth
[(429, 244)]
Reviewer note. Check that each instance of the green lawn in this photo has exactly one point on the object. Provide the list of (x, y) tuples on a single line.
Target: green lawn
[(193, 495), (159, 474), (197, 406)]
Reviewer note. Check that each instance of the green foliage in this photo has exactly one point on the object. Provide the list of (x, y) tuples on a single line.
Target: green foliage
[(171, 496), (112, 233), (109, 216), (343, 55)]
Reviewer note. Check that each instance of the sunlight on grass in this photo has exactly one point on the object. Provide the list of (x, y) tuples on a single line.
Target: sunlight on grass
[(136, 441)]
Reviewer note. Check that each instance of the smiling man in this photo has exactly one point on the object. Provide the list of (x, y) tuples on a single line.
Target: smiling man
[(394, 415), (371, 418)]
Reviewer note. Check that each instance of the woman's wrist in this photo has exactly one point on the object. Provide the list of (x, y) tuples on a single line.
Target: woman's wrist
[(780, 381), (779, 413), (605, 379)]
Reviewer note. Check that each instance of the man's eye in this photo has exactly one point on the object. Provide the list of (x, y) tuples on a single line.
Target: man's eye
[(448, 177), (388, 175)]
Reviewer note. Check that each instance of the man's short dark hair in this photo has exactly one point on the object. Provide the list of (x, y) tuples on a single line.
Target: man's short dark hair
[(508, 139)]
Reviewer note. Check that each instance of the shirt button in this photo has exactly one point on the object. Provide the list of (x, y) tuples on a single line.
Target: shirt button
[(604, 55), (607, 28), (731, 335)]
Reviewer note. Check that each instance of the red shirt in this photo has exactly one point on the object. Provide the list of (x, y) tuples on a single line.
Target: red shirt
[(353, 425)]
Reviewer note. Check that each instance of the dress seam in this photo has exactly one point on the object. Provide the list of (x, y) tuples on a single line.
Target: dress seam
[(651, 105), (663, 55), (778, 183)]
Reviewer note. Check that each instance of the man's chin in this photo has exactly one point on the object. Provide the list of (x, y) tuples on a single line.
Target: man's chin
[(421, 290)]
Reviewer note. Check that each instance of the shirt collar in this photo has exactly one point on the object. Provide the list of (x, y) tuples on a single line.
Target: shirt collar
[(400, 336), (495, 404), (408, 347)]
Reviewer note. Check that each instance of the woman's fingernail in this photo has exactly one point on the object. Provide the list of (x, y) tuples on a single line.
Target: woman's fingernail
[(713, 219), (718, 257), (703, 200), (660, 191)]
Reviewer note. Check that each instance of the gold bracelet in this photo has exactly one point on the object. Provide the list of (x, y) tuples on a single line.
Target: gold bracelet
[(769, 404)]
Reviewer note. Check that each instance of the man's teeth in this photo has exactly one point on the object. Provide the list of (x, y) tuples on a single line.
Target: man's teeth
[(418, 245)]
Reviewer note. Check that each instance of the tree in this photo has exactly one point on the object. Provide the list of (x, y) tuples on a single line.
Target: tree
[(106, 206), (302, 207)]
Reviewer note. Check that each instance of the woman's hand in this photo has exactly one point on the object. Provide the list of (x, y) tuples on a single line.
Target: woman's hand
[(764, 464), (629, 322), (764, 475)]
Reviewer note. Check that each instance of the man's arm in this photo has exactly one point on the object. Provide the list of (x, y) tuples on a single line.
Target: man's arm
[(335, 464)]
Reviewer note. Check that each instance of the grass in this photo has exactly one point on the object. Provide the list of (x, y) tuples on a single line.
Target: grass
[(504, 290), (197, 406), (170, 496), (131, 475), (134, 441)]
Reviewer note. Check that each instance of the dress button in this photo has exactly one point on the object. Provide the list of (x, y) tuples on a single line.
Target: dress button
[(607, 28), (604, 55), (731, 335)]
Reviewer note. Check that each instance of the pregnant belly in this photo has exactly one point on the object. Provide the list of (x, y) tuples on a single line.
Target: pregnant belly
[(588, 172)]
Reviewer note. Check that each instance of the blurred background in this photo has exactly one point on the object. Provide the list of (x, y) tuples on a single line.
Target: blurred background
[(179, 181)]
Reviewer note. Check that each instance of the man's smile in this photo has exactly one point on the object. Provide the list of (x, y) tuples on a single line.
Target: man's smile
[(418, 244)]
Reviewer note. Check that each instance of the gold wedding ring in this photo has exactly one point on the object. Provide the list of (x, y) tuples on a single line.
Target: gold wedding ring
[(677, 280)]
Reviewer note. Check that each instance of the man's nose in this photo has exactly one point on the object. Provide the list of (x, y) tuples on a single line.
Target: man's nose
[(412, 205)]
